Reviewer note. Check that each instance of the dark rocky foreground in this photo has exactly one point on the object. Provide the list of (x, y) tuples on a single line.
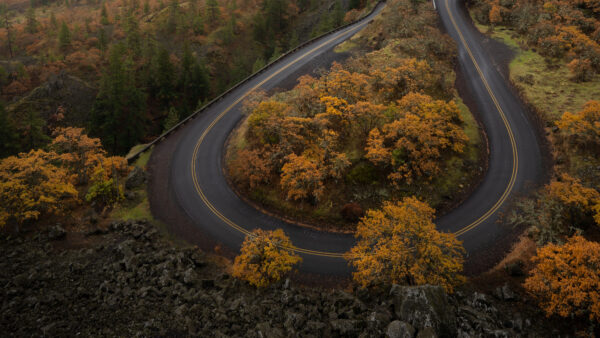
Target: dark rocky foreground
[(128, 280)]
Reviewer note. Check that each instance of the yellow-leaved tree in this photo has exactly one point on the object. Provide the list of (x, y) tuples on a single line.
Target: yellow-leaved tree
[(32, 184), (583, 127), (399, 244), (265, 257), (565, 278)]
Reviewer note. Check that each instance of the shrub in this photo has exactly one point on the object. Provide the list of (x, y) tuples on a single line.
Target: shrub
[(265, 257)]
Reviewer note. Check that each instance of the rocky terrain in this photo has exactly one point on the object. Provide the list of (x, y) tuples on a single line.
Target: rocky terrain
[(128, 280)]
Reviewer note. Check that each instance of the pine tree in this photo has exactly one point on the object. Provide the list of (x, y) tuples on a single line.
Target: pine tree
[(102, 40), (171, 120), (164, 77), (193, 80), (64, 36), (8, 134), (118, 112), (33, 132), (258, 64), (338, 14), (53, 21), (212, 11), (104, 15), (173, 16), (32, 23), (5, 16)]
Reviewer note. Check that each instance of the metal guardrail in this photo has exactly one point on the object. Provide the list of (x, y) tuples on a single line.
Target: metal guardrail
[(160, 138)]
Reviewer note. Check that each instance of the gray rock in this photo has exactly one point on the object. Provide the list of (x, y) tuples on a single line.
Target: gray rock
[(400, 329), (207, 283), (267, 331), (515, 268), (56, 232), (344, 326), (505, 293), (425, 306), (427, 332), (135, 178), (189, 276)]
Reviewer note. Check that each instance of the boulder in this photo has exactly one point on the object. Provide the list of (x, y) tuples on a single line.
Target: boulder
[(505, 293), (135, 178), (400, 329), (344, 327), (425, 306), (515, 268), (56, 232)]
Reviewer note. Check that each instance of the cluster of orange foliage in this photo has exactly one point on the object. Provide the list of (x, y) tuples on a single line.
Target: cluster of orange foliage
[(400, 244), (565, 278), (583, 127), (43, 182), (265, 258), (559, 28), (563, 207), (311, 136), (32, 184)]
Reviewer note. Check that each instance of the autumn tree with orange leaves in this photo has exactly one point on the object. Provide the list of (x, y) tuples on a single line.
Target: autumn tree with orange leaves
[(565, 279), (400, 244), (582, 128), (32, 184), (562, 208), (265, 257), (413, 144)]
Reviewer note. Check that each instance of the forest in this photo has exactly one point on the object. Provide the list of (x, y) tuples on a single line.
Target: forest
[(127, 70)]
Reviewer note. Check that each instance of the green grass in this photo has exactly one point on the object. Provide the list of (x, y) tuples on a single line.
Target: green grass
[(142, 160), (139, 208), (544, 84)]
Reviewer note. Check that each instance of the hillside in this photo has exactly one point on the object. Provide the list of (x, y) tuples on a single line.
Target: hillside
[(143, 60)]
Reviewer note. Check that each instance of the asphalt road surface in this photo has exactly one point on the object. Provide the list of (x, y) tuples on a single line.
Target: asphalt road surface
[(198, 184)]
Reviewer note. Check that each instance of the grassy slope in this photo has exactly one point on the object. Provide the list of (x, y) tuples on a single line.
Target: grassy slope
[(139, 207), (544, 85)]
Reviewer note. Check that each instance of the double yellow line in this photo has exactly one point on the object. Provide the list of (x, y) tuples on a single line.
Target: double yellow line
[(244, 231), (513, 143), (220, 116)]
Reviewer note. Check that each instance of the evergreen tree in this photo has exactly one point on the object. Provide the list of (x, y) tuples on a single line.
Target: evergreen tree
[(53, 21), (5, 16), (354, 4), (102, 40), (171, 120), (146, 7), (118, 112), (64, 36), (164, 77), (193, 81), (8, 134), (198, 25), (133, 36), (32, 23), (338, 14), (258, 64), (33, 133), (104, 15), (212, 11), (173, 16)]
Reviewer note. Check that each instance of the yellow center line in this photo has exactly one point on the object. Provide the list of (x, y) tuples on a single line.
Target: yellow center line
[(513, 143), (335, 254)]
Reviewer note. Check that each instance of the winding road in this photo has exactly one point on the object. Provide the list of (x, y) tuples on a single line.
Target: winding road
[(199, 188)]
